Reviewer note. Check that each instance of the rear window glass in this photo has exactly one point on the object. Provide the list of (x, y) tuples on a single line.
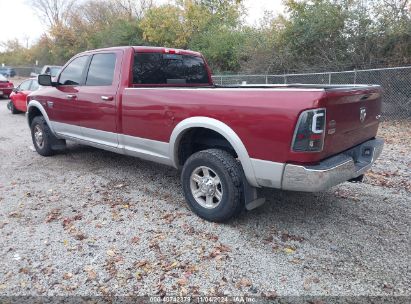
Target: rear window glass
[(156, 68)]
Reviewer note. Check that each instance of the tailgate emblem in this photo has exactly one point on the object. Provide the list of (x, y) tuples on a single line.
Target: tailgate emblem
[(363, 114)]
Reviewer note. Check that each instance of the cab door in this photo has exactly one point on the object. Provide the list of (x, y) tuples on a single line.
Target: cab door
[(19, 98), (97, 98), (63, 100)]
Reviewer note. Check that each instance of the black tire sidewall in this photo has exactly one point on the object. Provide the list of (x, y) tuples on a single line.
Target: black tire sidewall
[(46, 149), (229, 204), (13, 108)]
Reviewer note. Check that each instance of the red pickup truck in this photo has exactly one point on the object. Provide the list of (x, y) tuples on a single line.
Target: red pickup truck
[(161, 104)]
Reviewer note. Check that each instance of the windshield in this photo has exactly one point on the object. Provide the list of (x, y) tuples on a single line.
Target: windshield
[(2, 78)]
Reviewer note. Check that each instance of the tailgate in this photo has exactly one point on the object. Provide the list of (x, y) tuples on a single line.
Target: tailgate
[(353, 115)]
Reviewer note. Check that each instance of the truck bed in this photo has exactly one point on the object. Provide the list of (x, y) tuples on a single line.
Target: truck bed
[(301, 86)]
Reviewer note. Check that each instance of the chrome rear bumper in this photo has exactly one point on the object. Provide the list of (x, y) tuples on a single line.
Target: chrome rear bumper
[(334, 170)]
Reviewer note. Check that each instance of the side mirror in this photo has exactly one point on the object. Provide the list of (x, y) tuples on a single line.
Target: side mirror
[(44, 80), (16, 90)]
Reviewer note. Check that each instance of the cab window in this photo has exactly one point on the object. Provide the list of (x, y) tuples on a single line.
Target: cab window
[(169, 69), (101, 70), (73, 73), (34, 85), (25, 86)]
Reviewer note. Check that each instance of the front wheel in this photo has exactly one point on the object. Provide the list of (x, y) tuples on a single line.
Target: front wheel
[(211, 181), (12, 108), (41, 136)]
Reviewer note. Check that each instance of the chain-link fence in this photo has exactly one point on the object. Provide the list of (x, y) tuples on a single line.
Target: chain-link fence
[(396, 84), (26, 71)]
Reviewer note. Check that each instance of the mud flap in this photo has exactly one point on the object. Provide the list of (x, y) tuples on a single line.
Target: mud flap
[(251, 199), (57, 144)]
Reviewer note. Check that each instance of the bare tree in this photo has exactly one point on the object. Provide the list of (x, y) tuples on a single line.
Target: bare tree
[(53, 12), (135, 8)]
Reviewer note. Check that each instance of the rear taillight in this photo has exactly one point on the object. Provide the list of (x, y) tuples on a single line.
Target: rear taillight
[(310, 131)]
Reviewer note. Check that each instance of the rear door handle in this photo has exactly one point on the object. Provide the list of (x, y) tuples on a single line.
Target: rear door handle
[(71, 96), (107, 98)]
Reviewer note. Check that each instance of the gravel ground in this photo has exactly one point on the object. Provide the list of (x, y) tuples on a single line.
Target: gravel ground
[(90, 222)]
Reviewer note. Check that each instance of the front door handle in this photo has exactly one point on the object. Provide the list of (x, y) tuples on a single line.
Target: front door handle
[(71, 96), (107, 98)]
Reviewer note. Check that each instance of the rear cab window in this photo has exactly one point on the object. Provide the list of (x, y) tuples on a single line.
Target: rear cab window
[(101, 70), (163, 69)]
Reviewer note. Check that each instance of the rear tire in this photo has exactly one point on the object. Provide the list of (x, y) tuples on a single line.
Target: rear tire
[(42, 136), (211, 181)]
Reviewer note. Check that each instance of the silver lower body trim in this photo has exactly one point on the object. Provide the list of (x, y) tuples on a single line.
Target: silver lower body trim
[(268, 173), (147, 149), (334, 170)]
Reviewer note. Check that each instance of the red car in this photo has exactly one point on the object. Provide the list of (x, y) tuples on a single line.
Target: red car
[(160, 104), (5, 87), (18, 98)]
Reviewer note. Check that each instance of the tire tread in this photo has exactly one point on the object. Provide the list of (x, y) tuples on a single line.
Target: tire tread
[(47, 149), (233, 167)]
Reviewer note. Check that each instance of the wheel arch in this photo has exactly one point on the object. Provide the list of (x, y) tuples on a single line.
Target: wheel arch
[(222, 129), (34, 108)]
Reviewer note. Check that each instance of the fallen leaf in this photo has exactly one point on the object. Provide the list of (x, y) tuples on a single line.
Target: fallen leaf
[(244, 282), (77, 217), (91, 273), (53, 215), (140, 264), (171, 266), (168, 218), (111, 253), (285, 237), (24, 270), (289, 250), (135, 239), (271, 295), (15, 214), (182, 282), (67, 276), (138, 275), (80, 236)]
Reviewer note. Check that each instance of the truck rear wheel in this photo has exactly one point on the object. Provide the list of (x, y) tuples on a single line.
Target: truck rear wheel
[(211, 182), (41, 136)]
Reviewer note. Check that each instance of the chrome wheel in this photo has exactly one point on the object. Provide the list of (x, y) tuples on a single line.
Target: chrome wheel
[(38, 136), (206, 187)]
